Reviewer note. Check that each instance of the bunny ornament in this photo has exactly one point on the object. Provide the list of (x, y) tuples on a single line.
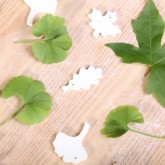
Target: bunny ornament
[(40, 6)]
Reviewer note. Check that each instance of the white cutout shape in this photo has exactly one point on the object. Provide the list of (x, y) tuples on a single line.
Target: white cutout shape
[(40, 6), (103, 25), (71, 148), (84, 79)]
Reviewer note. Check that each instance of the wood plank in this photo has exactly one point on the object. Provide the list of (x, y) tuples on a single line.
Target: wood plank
[(122, 84)]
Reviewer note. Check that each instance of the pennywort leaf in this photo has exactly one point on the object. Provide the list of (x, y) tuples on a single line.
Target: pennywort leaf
[(54, 41), (36, 103), (149, 29), (117, 121)]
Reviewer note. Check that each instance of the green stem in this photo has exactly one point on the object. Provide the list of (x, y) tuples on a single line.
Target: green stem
[(13, 115), (27, 41), (145, 134)]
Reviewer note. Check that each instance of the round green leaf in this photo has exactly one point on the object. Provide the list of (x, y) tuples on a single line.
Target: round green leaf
[(117, 121), (52, 50), (36, 103), (49, 26), (55, 42)]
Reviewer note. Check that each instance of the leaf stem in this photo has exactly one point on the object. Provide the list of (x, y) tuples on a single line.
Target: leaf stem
[(145, 134), (147, 72), (13, 115), (26, 41)]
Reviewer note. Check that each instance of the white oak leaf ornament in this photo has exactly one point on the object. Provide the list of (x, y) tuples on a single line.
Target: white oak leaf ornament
[(103, 25), (71, 148), (84, 79), (40, 6)]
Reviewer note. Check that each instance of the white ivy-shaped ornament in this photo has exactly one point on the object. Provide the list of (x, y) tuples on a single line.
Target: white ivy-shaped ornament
[(84, 79), (104, 25), (40, 6), (71, 148)]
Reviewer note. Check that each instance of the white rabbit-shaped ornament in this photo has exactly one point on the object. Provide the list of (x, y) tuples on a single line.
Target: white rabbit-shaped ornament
[(40, 6), (71, 148)]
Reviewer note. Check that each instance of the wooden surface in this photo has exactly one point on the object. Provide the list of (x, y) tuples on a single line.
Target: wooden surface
[(122, 84)]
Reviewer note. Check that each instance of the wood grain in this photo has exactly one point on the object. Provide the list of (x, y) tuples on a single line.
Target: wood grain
[(122, 84)]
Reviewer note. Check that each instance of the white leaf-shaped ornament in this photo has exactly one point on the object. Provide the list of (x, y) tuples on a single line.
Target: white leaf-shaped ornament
[(40, 6), (103, 25), (71, 148), (84, 79)]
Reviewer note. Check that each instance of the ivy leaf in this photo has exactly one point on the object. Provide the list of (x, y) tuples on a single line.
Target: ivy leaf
[(117, 121), (54, 41), (36, 103), (149, 29)]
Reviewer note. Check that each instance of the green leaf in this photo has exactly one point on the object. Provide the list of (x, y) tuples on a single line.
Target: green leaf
[(149, 29), (117, 121), (54, 42), (52, 51), (49, 26), (36, 103)]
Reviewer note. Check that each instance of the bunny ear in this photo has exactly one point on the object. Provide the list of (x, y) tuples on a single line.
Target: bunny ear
[(27, 2), (31, 17), (84, 131)]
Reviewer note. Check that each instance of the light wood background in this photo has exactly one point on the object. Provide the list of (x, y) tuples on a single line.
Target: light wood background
[(122, 84)]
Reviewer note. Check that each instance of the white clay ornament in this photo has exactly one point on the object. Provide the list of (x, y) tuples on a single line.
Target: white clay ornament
[(71, 148), (103, 25), (40, 6), (84, 79)]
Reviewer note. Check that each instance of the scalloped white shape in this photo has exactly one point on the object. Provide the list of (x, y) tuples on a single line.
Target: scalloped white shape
[(103, 25), (84, 79), (40, 6), (71, 148)]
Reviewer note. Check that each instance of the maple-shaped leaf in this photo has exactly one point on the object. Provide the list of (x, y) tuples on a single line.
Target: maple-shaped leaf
[(149, 29)]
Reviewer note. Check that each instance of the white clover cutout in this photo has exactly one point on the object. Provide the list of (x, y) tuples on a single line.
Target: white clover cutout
[(84, 79), (103, 25), (40, 6), (71, 148)]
